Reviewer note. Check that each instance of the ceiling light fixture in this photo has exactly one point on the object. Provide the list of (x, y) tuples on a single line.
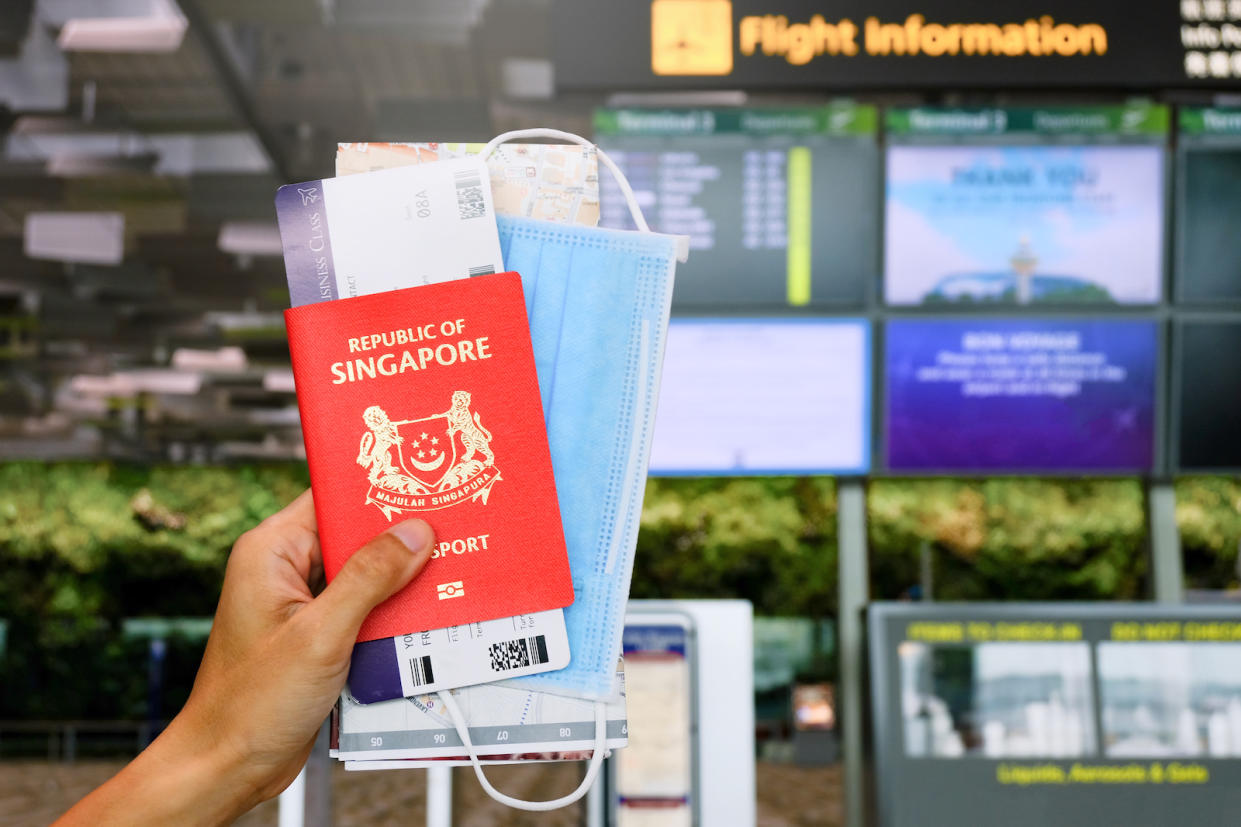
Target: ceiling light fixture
[(160, 30), (70, 165), (221, 360), (250, 238), (279, 381), (86, 237)]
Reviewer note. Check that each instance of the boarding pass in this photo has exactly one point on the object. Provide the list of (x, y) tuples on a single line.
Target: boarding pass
[(386, 230), (455, 656)]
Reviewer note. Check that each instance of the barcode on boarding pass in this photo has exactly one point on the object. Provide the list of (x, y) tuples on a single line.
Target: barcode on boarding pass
[(470, 203), (516, 654), (484, 270), (420, 673)]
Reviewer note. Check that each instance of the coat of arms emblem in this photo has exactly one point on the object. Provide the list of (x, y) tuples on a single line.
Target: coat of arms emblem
[(427, 463)]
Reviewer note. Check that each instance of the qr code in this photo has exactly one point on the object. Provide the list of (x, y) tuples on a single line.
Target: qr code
[(516, 654), (470, 203)]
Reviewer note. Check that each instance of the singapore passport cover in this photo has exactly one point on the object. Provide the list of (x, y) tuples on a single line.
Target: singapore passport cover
[(423, 402)]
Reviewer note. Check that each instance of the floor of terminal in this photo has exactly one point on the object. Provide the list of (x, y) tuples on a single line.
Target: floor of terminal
[(32, 793)]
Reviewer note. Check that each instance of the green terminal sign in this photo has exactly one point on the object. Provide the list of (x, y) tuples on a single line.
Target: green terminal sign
[(1210, 121), (1134, 119), (839, 120)]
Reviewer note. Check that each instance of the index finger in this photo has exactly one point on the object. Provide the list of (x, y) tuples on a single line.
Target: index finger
[(300, 513), (291, 533)]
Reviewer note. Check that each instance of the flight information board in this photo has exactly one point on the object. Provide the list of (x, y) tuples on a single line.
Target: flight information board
[(1020, 395), (763, 396), (1207, 396), (780, 205), (1208, 214), (1069, 713), (1025, 207)]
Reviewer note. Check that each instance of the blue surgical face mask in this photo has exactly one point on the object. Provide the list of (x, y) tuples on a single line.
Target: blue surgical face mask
[(598, 304)]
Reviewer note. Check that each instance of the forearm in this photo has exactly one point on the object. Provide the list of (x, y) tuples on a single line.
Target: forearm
[(274, 664), (181, 778)]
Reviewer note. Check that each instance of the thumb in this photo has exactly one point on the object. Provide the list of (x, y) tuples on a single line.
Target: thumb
[(374, 573)]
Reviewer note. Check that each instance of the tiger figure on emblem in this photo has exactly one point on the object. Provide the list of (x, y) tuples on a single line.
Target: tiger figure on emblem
[(473, 435)]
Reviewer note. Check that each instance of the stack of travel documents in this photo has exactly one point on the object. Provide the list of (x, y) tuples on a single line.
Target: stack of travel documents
[(416, 384), (507, 725)]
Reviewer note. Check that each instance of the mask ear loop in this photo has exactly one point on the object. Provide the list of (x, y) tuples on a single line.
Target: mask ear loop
[(450, 704), (635, 211), (601, 723), (592, 771)]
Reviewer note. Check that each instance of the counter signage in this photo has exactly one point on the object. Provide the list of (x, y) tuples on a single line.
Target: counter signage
[(1032, 714)]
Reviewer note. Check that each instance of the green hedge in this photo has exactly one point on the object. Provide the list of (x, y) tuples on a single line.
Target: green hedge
[(1208, 511), (1011, 539), (772, 541), (83, 546)]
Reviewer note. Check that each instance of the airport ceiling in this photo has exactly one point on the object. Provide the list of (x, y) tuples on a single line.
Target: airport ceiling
[(184, 117)]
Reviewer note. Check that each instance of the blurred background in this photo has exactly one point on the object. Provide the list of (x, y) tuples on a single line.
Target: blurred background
[(961, 322)]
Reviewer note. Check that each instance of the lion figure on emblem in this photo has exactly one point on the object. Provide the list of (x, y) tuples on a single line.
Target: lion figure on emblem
[(375, 454)]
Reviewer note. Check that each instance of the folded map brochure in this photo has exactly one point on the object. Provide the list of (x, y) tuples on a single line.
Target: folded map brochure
[(554, 182), (507, 724)]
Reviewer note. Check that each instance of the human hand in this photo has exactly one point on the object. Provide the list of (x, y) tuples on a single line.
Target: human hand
[(275, 663)]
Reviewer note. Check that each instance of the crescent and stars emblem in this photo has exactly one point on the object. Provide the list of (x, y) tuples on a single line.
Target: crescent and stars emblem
[(429, 462)]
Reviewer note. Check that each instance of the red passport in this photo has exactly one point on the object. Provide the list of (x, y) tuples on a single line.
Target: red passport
[(424, 402)]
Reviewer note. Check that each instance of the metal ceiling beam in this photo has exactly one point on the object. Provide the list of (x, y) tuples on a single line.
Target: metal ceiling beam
[(234, 85)]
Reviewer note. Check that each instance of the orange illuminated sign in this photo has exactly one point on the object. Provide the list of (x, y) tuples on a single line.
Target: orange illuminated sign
[(692, 37), (695, 37)]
